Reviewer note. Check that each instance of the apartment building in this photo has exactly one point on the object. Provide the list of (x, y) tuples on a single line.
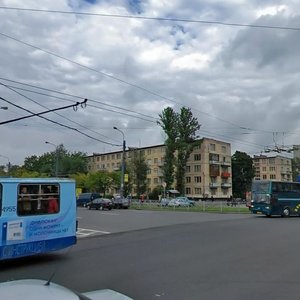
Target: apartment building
[(273, 168), (208, 171)]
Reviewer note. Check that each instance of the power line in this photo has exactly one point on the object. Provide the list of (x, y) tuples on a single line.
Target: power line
[(153, 18), (80, 97), (121, 80), (55, 122)]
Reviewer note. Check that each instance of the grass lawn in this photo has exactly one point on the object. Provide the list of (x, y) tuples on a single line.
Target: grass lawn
[(200, 207)]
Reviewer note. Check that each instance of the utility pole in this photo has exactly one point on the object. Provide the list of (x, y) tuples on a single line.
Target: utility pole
[(123, 163)]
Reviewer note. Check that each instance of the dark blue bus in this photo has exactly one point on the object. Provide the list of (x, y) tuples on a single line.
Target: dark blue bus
[(275, 198)]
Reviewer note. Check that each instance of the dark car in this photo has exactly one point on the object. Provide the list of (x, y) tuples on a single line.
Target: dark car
[(84, 198), (119, 202), (100, 203)]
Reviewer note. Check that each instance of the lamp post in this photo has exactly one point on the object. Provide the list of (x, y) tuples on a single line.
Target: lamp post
[(123, 163), (56, 157), (8, 163)]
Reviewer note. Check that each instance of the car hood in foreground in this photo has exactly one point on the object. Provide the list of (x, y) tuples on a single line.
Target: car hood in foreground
[(34, 289)]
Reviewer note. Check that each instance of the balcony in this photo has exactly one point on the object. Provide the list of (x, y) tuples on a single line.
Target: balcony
[(213, 185), (225, 174), (214, 162), (225, 185)]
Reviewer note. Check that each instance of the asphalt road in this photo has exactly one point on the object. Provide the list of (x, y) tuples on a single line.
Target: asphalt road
[(212, 256)]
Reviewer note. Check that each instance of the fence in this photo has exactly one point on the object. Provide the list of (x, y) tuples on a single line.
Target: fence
[(200, 206)]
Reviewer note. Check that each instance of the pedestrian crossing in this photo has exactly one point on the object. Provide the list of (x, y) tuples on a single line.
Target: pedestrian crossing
[(85, 232)]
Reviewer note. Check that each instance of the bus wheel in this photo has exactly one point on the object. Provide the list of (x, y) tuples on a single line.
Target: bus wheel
[(286, 212)]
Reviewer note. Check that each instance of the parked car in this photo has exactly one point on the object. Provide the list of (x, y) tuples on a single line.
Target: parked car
[(100, 203), (164, 202), (191, 202), (179, 202), (119, 202), (84, 198)]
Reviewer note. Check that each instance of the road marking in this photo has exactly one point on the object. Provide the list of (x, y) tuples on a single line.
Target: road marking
[(109, 214), (84, 232)]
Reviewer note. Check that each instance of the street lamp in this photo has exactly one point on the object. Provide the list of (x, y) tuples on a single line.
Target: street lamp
[(8, 164), (123, 163), (56, 157)]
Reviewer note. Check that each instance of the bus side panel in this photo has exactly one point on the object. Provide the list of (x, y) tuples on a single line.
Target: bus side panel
[(34, 234)]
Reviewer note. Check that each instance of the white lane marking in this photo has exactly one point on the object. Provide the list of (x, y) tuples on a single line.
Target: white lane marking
[(83, 232), (109, 214)]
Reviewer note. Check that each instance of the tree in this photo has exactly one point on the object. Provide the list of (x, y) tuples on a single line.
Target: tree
[(138, 168), (100, 182), (180, 129), (187, 128), (168, 122), (66, 162), (242, 174)]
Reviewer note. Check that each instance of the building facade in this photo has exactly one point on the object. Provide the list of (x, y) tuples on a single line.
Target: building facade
[(273, 168), (208, 170)]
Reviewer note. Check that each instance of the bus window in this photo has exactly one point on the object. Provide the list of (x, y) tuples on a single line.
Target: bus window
[(38, 199)]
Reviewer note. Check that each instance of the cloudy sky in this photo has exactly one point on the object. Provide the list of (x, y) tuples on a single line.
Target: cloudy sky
[(241, 82)]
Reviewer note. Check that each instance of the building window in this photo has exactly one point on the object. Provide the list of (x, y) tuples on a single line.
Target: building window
[(272, 176), (197, 179), (272, 168), (214, 157), (188, 190), (149, 171), (98, 158), (197, 168), (264, 169), (188, 179), (156, 160), (188, 169), (155, 170), (112, 156), (223, 149), (272, 161), (264, 176), (198, 191), (212, 147), (197, 157), (149, 181), (149, 151), (155, 180)]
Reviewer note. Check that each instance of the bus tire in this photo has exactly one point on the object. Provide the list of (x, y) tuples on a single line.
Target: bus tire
[(286, 212)]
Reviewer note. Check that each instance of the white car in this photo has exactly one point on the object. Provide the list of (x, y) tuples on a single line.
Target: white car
[(35, 289)]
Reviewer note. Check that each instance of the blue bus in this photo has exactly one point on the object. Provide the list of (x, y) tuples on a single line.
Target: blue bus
[(37, 215), (275, 198)]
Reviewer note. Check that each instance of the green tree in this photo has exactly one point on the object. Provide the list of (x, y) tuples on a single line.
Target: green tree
[(66, 162), (100, 182), (168, 122), (138, 168), (180, 129), (187, 129), (242, 174)]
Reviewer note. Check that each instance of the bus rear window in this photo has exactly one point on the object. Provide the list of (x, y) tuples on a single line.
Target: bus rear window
[(38, 199)]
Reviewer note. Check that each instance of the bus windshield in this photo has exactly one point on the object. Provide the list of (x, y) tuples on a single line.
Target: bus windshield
[(260, 187)]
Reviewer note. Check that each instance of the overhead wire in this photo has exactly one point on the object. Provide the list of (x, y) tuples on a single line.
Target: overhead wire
[(55, 122), (121, 80), (81, 97), (152, 18)]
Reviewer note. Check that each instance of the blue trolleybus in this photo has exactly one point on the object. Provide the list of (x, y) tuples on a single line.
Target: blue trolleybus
[(37, 215), (275, 198)]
